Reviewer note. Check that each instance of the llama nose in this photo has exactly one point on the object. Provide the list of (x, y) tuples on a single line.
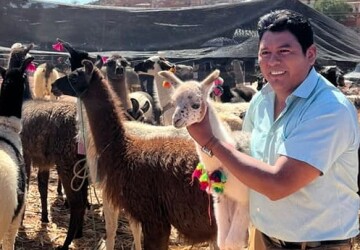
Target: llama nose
[(119, 70)]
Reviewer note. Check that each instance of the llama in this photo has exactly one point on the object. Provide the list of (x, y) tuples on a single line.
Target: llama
[(138, 106), (114, 69), (13, 183), (333, 74), (184, 72), (18, 54), (44, 75), (231, 208), (111, 213), (55, 145), (161, 95), (144, 99), (128, 168)]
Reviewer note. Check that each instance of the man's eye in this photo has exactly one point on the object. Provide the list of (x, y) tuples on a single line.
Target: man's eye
[(264, 53), (195, 106), (284, 51)]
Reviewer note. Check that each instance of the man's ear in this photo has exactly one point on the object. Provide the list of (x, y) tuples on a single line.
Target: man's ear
[(311, 54)]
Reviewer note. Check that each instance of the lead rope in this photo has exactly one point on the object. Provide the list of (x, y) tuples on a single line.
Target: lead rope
[(84, 170)]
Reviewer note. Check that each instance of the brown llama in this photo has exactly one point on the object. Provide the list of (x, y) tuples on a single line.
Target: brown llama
[(149, 178), (48, 139), (115, 74)]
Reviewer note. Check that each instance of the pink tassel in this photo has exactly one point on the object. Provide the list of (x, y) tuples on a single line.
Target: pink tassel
[(104, 59), (31, 67), (58, 46), (218, 81), (218, 90)]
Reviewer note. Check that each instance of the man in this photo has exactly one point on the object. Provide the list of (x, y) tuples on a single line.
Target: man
[(303, 170)]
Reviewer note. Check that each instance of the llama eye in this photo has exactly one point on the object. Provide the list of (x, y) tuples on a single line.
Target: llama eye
[(195, 106)]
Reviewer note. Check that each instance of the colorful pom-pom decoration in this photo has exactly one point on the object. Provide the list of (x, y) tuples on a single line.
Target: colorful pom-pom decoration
[(58, 46), (31, 67), (218, 81), (213, 183), (218, 90), (166, 84)]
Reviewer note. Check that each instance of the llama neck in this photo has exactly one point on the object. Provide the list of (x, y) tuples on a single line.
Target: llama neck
[(121, 89), (220, 132), (163, 93), (27, 91), (104, 115), (218, 127), (11, 102)]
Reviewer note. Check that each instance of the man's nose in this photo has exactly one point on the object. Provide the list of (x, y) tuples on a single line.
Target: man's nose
[(274, 59)]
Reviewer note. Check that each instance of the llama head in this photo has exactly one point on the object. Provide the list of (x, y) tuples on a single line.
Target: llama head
[(77, 81), (18, 53), (153, 65), (12, 89), (190, 98), (184, 72), (76, 56), (115, 67)]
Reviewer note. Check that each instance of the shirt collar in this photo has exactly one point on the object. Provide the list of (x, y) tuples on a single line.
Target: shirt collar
[(304, 89)]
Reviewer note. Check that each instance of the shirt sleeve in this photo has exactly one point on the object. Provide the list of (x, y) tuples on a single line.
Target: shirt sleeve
[(323, 134)]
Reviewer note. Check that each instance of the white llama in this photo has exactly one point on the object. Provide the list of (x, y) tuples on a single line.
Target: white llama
[(191, 99)]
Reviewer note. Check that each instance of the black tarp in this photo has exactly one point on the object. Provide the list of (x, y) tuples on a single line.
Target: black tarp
[(221, 31)]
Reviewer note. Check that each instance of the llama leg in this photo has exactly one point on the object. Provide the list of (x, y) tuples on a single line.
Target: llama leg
[(43, 181), (156, 235), (59, 185), (59, 188), (238, 234), (221, 210), (27, 162), (135, 227), (111, 222), (9, 237), (77, 202)]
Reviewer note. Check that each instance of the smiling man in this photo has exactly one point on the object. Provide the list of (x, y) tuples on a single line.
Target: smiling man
[(302, 172)]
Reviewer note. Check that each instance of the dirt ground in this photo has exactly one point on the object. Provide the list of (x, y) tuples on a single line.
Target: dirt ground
[(36, 235)]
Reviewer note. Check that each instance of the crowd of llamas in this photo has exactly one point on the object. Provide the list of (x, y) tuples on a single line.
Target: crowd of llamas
[(132, 145)]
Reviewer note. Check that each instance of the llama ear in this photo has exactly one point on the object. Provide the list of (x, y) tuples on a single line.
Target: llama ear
[(135, 104), (66, 45), (29, 47), (99, 62), (89, 67), (170, 77), (207, 83), (145, 107)]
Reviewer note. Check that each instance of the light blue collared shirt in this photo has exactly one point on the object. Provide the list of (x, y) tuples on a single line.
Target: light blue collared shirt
[(318, 126)]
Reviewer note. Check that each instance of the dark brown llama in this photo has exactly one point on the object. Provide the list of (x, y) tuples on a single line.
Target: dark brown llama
[(149, 178)]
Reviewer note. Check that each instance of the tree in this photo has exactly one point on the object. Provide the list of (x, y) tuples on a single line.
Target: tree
[(336, 9)]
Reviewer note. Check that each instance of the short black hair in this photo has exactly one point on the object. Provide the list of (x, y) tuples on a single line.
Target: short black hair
[(287, 20)]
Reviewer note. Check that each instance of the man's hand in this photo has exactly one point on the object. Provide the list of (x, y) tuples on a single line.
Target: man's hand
[(201, 132)]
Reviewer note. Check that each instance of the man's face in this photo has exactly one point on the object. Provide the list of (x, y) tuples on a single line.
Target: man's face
[(282, 61)]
